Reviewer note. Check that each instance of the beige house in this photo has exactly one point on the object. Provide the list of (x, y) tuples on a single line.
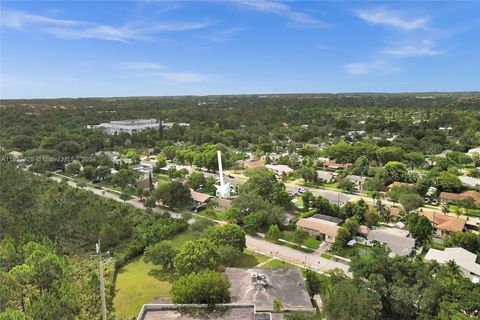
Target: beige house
[(322, 229), (444, 224)]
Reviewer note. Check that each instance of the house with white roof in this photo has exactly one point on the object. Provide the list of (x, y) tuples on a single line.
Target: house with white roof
[(279, 169), (463, 258), (470, 181), (473, 151)]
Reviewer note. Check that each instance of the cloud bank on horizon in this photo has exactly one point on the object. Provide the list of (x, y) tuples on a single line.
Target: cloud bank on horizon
[(63, 49)]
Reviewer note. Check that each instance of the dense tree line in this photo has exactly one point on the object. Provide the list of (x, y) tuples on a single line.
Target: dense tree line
[(47, 241)]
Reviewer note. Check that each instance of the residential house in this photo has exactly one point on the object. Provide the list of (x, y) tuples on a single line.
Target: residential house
[(145, 183), (463, 258), (199, 198), (262, 287), (470, 181), (444, 224), (322, 229), (326, 176), (358, 180), (398, 184), (280, 169), (337, 166), (224, 311), (447, 197), (222, 204), (399, 241)]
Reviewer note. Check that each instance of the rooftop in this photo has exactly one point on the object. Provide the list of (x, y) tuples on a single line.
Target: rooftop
[(319, 225), (327, 218), (461, 196), (199, 197), (396, 239), (196, 312), (262, 286), (444, 222), (465, 259)]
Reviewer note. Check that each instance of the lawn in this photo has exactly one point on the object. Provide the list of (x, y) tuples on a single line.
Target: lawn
[(135, 287), (278, 264), (183, 237), (249, 259), (350, 252), (162, 179), (310, 242)]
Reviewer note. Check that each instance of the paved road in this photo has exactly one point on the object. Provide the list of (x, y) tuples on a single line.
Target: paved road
[(310, 260)]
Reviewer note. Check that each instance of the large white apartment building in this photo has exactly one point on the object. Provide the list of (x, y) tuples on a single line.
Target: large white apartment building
[(128, 126)]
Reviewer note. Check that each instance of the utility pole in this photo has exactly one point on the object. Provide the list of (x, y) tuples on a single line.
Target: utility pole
[(102, 283)]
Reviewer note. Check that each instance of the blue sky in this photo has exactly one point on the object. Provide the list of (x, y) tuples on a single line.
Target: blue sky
[(83, 49)]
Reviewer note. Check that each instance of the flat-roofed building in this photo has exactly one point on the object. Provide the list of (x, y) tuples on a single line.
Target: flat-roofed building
[(262, 287), (463, 258), (127, 126), (399, 241), (228, 311)]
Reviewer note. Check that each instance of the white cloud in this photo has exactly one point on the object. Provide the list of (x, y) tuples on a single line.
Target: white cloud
[(282, 9), (221, 36), (381, 15), (74, 30), (135, 65), (376, 67), (424, 48)]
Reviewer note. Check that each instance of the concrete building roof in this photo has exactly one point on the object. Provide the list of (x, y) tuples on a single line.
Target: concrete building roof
[(470, 181), (396, 239), (321, 226), (444, 222), (262, 286), (230, 311), (465, 259)]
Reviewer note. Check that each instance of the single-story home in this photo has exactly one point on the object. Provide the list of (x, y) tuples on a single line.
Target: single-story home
[(358, 180), (398, 240), (444, 224), (470, 181), (326, 176), (398, 184), (262, 287), (463, 258), (199, 197), (447, 197), (319, 228), (279, 169), (222, 204), (337, 166), (145, 183)]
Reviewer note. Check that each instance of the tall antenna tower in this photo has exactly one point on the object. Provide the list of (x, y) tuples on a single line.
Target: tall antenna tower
[(223, 190)]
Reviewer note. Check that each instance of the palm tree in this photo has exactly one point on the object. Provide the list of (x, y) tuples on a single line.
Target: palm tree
[(453, 269), (277, 305)]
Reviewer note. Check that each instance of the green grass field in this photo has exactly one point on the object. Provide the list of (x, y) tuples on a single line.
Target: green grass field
[(249, 259), (135, 287), (183, 237), (278, 264)]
